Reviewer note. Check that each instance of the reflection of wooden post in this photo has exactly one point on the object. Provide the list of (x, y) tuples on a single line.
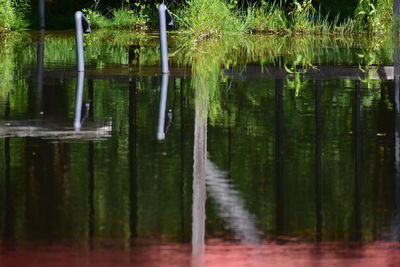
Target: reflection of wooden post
[(91, 167), (132, 158), (318, 161), (91, 190), (182, 147), (40, 70), (395, 233), (280, 220), (357, 159), (91, 98), (396, 60), (134, 55), (199, 174), (8, 218)]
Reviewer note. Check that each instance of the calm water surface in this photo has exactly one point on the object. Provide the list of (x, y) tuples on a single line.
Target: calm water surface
[(123, 166)]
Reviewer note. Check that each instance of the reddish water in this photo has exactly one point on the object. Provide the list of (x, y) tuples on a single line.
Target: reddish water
[(216, 254)]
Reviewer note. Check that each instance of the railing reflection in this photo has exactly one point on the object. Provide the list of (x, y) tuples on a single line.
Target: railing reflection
[(40, 71), (318, 161), (8, 211), (357, 160), (164, 119), (133, 158), (395, 231), (79, 100), (279, 157)]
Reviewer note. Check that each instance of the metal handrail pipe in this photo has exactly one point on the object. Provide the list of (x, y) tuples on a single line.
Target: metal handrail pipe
[(162, 9), (82, 26), (42, 14)]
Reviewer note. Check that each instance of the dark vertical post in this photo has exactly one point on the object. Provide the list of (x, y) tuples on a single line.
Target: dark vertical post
[(133, 158), (42, 14), (91, 189), (91, 98), (280, 220), (40, 70), (230, 129), (396, 221), (91, 186), (318, 161), (357, 159), (9, 223), (182, 147), (396, 61), (396, 12)]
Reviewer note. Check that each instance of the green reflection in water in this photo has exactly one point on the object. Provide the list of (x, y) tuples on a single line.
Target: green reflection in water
[(123, 186)]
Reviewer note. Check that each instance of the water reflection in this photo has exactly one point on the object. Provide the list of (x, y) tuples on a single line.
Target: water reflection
[(40, 70), (199, 174), (164, 118), (132, 135), (208, 177), (395, 227), (78, 100), (318, 161), (279, 157), (357, 160), (296, 166), (232, 207)]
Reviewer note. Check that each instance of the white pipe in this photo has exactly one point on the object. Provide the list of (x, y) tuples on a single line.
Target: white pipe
[(81, 26), (162, 9)]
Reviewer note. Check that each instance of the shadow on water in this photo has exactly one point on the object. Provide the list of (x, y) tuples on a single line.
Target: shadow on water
[(270, 159)]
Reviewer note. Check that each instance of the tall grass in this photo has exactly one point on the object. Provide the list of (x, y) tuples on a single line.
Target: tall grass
[(123, 17), (302, 18), (204, 19), (11, 15), (373, 16)]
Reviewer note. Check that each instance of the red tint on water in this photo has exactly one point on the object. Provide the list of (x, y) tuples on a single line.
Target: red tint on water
[(217, 254)]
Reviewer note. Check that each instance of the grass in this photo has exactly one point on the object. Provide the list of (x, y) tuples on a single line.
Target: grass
[(374, 16), (204, 19), (11, 15), (302, 18), (123, 17)]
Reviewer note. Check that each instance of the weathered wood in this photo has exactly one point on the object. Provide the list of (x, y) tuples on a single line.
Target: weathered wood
[(53, 130)]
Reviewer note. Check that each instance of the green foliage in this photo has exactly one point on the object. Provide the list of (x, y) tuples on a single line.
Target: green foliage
[(123, 17), (204, 19), (270, 18), (11, 15), (373, 16)]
